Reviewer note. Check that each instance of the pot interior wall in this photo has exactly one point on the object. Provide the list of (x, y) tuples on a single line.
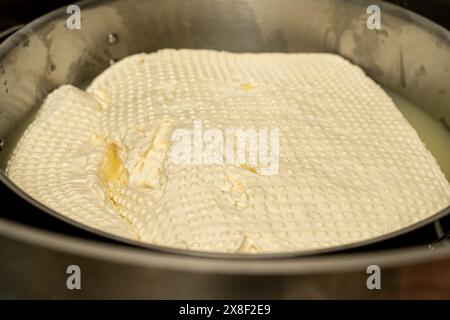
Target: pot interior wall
[(409, 54)]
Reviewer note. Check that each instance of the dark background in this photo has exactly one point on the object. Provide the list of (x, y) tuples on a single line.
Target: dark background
[(23, 11)]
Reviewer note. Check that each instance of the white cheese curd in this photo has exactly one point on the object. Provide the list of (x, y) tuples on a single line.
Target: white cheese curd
[(350, 166)]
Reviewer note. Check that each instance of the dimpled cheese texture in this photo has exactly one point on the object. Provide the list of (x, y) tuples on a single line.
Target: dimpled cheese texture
[(350, 166)]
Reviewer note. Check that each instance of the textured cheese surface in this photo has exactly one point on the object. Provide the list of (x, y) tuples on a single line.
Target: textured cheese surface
[(350, 167)]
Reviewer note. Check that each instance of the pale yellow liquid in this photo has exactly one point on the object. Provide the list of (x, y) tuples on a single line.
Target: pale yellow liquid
[(432, 132)]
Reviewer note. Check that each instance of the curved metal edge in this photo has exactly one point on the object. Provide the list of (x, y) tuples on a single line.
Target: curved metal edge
[(421, 21), (140, 257), (16, 39), (407, 15), (5, 34)]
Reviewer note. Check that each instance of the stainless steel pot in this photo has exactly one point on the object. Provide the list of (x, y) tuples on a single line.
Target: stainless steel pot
[(409, 54)]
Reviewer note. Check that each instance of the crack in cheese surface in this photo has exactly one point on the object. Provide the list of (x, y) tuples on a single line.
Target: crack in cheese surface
[(350, 166)]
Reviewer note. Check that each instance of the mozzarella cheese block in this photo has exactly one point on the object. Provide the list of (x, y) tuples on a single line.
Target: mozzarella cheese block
[(350, 167)]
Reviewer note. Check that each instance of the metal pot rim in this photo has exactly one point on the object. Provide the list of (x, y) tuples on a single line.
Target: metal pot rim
[(285, 262), (123, 254)]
